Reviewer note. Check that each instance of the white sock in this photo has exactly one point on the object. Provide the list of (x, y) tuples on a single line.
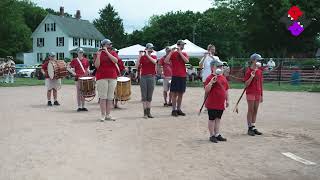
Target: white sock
[(217, 135), (252, 124)]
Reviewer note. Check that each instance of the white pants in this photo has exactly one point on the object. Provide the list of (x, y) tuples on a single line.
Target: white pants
[(9, 78)]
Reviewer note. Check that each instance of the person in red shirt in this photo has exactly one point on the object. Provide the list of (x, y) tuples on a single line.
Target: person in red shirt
[(106, 76), (79, 67), (147, 63), (216, 88), (52, 84), (178, 60), (254, 87), (167, 75)]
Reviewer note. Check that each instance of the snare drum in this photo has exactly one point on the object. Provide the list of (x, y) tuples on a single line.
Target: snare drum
[(57, 69), (123, 89), (87, 87)]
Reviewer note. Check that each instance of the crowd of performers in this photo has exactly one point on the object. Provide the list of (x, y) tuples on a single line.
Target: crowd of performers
[(109, 67), (7, 70)]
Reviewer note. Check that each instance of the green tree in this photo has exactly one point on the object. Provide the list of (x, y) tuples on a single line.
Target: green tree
[(111, 26), (32, 14), (14, 33)]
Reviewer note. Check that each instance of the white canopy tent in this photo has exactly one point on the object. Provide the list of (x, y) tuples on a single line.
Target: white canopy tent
[(131, 52), (191, 49)]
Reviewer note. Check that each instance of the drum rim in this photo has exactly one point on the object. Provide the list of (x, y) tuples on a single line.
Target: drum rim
[(86, 78), (123, 79)]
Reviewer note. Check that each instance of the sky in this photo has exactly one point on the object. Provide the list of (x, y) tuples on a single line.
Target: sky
[(135, 13)]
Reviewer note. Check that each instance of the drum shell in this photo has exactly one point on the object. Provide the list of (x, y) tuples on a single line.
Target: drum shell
[(87, 87), (59, 69), (123, 90)]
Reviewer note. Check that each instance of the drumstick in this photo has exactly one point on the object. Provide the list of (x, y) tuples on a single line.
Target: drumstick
[(236, 107), (205, 99)]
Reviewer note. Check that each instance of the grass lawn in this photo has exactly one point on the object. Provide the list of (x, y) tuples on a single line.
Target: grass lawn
[(269, 86), (31, 82)]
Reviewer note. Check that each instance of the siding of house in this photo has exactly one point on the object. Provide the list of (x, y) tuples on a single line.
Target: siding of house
[(50, 41)]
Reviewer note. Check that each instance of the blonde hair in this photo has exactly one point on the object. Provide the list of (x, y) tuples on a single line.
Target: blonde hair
[(210, 46)]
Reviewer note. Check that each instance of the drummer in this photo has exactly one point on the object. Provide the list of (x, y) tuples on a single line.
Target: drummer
[(52, 84), (79, 67), (147, 62), (10, 69)]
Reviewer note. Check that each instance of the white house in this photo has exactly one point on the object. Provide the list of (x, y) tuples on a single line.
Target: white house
[(63, 35)]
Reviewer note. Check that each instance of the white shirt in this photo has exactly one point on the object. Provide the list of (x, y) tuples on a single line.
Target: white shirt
[(271, 64), (206, 71)]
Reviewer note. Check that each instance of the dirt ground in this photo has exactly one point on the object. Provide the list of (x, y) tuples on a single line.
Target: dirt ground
[(57, 143)]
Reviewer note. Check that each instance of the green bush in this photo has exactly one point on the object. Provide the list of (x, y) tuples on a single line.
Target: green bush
[(194, 61), (18, 61), (67, 59)]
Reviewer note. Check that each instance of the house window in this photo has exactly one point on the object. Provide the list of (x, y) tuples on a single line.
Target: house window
[(84, 41), (48, 27), (60, 41), (97, 43), (39, 57), (90, 42), (60, 56), (40, 42), (76, 41)]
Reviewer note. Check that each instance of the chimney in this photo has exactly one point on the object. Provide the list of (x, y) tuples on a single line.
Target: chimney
[(61, 11), (78, 15)]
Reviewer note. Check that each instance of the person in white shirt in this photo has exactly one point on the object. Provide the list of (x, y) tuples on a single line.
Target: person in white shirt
[(206, 60), (271, 64)]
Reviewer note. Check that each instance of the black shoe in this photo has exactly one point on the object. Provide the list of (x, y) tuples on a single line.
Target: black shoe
[(256, 132), (174, 113), (170, 104), (213, 139), (149, 113), (84, 109), (251, 132), (220, 138), (180, 113), (56, 103), (49, 103), (79, 109), (165, 105), (145, 114)]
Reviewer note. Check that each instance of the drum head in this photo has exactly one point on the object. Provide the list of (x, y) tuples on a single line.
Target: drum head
[(50, 70), (85, 78), (123, 79)]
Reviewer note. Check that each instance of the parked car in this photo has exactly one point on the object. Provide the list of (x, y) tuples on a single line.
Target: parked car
[(129, 63), (27, 73), (20, 67)]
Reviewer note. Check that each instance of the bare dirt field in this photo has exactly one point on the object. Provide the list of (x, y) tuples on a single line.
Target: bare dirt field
[(57, 143)]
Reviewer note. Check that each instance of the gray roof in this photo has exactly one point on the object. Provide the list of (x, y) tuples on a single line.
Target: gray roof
[(77, 28), (85, 49)]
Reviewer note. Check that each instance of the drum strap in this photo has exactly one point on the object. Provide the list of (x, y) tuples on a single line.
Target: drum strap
[(81, 65)]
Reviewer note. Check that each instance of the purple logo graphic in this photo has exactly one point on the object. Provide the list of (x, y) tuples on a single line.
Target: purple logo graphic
[(295, 21), (296, 29)]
